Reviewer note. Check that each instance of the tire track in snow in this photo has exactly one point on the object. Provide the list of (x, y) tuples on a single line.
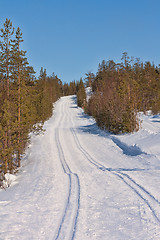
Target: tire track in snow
[(68, 222), (140, 191)]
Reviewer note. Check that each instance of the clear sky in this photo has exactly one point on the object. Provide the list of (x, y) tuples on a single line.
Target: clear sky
[(71, 37)]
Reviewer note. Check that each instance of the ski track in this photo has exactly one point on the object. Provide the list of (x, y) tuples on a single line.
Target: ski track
[(68, 223), (140, 191), (70, 214)]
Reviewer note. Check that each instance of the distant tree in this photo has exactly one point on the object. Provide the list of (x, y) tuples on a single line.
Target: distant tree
[(89, 79), (72, 88), (66, 91), (69, 88), (81, 94)]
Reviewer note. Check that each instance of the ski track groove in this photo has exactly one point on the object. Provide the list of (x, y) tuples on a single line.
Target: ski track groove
[(139, 190), (71, 207), (121, 176), (76, 217)]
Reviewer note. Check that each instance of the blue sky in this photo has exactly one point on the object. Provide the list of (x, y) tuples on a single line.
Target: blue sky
[(71, 37)]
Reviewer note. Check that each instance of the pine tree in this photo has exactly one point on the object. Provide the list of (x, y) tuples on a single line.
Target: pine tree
[(25, 102), (113, 103), (81, 94), (46, 104), (18, 74), (5, 71), (89, 79)]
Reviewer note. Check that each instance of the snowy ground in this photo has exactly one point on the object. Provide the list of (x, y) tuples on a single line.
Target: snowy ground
[(78, 182)]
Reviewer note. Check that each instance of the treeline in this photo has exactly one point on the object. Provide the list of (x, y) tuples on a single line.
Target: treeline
[(120, 91), (78, 88), (70, 88), (25, 102)]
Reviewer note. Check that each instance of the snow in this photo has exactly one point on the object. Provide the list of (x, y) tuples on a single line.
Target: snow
[(79, 182), (9, 179), (88, 93)]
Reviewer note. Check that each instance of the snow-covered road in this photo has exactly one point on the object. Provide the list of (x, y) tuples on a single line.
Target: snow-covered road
[(78, 182)]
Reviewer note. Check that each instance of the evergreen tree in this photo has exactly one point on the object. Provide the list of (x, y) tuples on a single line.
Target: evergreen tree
[(114, 102), (89, 79), (81, 94), (5, 71), (25, 102), (20, 90)]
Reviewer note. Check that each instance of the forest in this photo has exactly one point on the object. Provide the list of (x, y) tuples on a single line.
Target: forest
[(26, 101), (120, 92)]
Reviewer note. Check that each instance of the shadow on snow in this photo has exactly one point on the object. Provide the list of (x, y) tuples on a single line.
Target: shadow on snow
[(94, 129)]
